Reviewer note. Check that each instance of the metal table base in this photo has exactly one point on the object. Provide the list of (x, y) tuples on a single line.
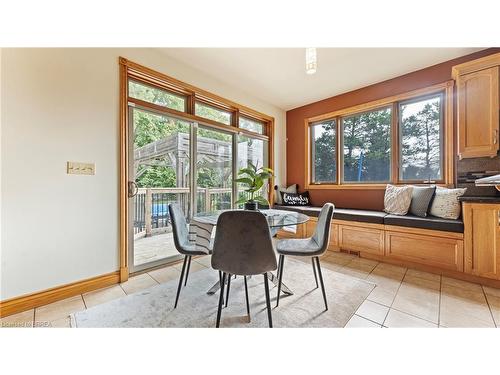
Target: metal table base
[(271, 277)]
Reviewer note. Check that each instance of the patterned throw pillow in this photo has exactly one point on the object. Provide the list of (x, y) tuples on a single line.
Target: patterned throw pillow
[(204, 238), (290, 199), (421, 199), (397, 199), (291, 189), (446, 204)]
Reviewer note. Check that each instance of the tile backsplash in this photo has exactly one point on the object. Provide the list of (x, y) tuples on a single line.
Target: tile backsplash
[(469, 170)]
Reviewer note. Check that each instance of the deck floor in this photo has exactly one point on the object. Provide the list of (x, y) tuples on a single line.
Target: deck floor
[(149, 249)]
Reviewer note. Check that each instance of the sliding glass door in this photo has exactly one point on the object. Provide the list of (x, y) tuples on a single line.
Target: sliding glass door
[(159, 162)]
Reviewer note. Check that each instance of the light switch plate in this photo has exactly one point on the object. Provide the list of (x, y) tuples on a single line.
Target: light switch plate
[(74, 167)]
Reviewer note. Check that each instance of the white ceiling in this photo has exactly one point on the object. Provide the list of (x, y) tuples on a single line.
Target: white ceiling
[(277, 75)]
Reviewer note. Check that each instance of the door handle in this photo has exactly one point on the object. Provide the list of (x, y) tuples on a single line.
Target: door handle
[(495, 136), (132, 189)]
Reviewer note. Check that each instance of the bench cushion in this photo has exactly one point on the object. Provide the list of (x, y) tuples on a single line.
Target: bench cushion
[(379, 217), (429, 222), (364, 216)]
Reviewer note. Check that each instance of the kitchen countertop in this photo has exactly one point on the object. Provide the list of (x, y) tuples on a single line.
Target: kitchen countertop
[(483, 199)]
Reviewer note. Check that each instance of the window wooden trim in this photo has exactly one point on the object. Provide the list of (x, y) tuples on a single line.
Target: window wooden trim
[(442, 96), (133, 71), (192, 93), (393, 101)]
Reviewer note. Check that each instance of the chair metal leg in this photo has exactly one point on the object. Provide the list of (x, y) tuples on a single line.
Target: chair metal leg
[(221, 300), (180, 281), (187, 272), (315, 274), (246, 296), (280, 277), (228, 287), (268, 301), (321, 282), (279, 267)]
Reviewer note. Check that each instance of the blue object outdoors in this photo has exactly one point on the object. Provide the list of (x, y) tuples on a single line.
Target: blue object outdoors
[(360, 165), (158, 209)]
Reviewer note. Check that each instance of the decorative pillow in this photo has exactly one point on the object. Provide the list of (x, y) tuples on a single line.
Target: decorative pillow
[(421, 199), (397, 199), (290, 199), (291, 189), (446, 204), (204, 236)]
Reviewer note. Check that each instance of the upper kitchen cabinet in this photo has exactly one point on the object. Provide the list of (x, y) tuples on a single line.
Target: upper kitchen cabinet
[(478, 105)]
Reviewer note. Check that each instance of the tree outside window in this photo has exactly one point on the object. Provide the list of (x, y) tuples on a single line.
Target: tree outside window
[(420, 127), (367, 147)]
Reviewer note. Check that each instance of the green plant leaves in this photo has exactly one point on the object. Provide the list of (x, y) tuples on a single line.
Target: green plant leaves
[(253, 179), (245, 180), (261, 199)]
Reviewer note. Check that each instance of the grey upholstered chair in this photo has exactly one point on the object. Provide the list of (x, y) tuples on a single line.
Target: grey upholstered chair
[(182, 243), (310, 247), (243, 247)]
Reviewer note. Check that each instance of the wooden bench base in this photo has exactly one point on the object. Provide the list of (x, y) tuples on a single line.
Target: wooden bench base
[(429, 250)]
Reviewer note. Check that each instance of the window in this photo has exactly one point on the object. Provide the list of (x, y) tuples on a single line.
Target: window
[(367, 147), (252, 125), (406, 138), (323, 161), (212, 113), (156, 96), (420, 126), (214, 167)]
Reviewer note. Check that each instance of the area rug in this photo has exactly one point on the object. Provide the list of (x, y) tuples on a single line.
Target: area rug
[(305, 308)]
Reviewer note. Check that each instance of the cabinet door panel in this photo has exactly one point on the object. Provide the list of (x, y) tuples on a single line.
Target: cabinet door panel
[(361, 239), (482, 240), (446, 253), (478, 113)]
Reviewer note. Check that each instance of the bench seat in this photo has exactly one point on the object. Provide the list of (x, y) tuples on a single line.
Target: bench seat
[(429, 222), (380, 217)]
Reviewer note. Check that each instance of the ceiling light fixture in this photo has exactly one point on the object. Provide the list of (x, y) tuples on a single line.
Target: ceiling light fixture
[(311, 61)]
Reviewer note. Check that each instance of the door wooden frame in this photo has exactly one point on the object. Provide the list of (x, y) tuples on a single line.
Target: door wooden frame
[(129, 69)]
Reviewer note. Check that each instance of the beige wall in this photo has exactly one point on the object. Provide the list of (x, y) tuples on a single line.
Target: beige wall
[(60, 105)]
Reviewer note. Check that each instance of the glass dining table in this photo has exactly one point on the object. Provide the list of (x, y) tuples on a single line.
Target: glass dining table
[(276, 219)]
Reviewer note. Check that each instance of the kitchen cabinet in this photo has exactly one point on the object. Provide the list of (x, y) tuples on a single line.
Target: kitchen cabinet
[(482, 239), (478, 107)]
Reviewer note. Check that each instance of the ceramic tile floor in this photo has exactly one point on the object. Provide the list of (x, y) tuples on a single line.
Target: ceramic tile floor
[(402, 298)]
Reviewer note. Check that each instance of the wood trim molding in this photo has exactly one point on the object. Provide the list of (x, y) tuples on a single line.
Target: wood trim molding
[(447, 88), (124, 145), (360, 108), (158, 78), (30, 301), (475, 65), (449, 136), (129, 69), (141, 104)]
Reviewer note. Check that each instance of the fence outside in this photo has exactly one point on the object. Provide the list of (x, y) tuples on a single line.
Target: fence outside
[(151, 205)]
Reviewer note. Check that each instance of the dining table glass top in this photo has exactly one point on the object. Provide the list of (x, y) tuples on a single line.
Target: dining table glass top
[(275, 218)]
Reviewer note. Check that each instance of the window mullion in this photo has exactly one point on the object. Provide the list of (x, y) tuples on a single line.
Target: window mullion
[(395, 142)]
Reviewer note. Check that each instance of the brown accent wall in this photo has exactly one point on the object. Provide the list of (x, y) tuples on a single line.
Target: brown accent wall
[(295, 149)]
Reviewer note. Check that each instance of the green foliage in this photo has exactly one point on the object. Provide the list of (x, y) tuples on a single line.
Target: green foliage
[(421, 143), (367, 146), (156, 96), (253, 179), (212, 113), (325, 166)]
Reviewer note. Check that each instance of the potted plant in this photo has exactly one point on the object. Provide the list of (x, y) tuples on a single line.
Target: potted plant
[(253, 179)]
